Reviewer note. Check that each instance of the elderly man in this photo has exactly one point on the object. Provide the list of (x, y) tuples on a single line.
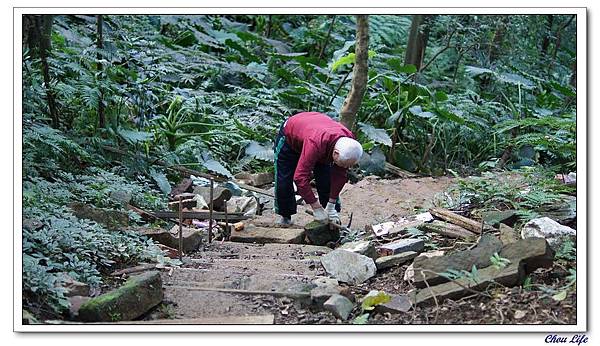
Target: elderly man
[(307, 143)]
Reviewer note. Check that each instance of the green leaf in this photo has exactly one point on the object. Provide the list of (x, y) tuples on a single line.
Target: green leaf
[(134, 137), (440, 96), (216, 167), (476, 71), (258, 151), (409, 69), (161, 180), (376, 135), (370, 302), (350, 58), (560, 296), (362, 319)]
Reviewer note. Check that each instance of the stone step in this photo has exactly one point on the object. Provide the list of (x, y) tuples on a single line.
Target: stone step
[(262, 235)]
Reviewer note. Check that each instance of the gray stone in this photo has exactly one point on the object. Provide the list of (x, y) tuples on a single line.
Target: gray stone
[(339, 306), (111, 219), (75, 303), (409, 273), (507, 234), (191, 237), (548, 229), (394, 260), (429, 269), (28, 318), (531, 253), (220, 195), (321, 234), (361, 247), (263, 235), (399, 303), (495, 218), (349, 267), (320, 294), (563, 211), (402, 245), (74, 288), (138, 295), (121, 196)]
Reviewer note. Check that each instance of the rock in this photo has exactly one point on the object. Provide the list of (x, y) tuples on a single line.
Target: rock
[(111, 219), (184, 186), (220, 195), (74, 288), (122, 196), (32, 225), (246, 205), (28, 318), (263, 235), (394, 260), (429, 268), (402, 245), (409, 274), (348, 267), (507, 234), (192, 237), (321, 234), (509, 276), (548, 229), (361, 247), (75, 303), (495, 218), (447, 229), (399, 303), (321, 293), (339, 306), (531, 253), (257, 179), (138, 295), (563, 211)]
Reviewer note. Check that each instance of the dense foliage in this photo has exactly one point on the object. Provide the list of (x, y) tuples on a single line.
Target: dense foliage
[(209, 92)]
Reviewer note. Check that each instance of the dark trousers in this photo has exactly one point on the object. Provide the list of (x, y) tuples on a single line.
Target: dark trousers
[(286, 160)]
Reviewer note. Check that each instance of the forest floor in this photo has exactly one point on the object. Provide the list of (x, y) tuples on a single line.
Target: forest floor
[(291, 267)]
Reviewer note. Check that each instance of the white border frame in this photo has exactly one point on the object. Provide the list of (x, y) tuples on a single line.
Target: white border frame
[(582, 293)]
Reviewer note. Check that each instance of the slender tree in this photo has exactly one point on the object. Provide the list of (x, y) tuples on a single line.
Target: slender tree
[(100, 45), (42, 30), (417, 41), (359, 79)]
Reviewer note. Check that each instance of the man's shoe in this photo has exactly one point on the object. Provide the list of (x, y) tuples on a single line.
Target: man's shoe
[(285, 220)]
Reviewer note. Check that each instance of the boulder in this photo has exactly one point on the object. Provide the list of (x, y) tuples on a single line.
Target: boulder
[(75, 303), (73, 287), (361, 247), (220, 195), (348, 266), (563, 211), (339, 306), (531, 253), (548, 229), (321, 234), (138, 295), (324, 291)]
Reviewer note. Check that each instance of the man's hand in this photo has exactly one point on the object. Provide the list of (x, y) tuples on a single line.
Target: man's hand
[(332, 214), (320, 215)]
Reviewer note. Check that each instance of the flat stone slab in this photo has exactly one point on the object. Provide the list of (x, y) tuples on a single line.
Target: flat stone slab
[(138, 295), (430, 268), (531, 253), (495, 218), (393, 227), (399, 246), (111, 219), (509, 276), (507, 235), (262, 235), (546, 228), (394, 260), (447, 229), (348, 266)]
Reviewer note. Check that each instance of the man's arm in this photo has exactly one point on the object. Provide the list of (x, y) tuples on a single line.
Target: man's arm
[(339, 177)]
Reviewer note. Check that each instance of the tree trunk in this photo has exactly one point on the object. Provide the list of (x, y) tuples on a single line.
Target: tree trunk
[(359, 79), (43, 30), (546, 41), (558, 36), (494, 48), (417, 42), (574, 74), (99, 45)]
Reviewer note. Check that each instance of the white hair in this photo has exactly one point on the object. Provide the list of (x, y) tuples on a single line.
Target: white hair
[(349, 149)]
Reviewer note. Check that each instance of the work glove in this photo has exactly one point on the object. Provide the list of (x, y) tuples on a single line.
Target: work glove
[(332, 214), (320, 215)]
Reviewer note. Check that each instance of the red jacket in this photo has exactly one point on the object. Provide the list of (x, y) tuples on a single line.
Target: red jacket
[(313, 135)]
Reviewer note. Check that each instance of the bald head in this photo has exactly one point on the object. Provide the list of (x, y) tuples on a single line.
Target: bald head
[(346, 152)]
